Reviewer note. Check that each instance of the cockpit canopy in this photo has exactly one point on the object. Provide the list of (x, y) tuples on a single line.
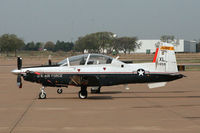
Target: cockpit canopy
[(86, 59)]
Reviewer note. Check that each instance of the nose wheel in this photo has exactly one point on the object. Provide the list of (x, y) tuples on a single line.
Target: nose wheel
[(42, 94), (59, 91), (83, 92)]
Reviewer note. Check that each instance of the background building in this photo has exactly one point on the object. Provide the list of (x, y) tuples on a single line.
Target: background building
[(149, 46)]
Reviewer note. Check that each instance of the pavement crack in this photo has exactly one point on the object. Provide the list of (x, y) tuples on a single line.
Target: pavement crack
[(22, 116)]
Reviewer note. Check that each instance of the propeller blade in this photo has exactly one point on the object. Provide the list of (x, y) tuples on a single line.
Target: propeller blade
[(19, 63), (19, 81), (49, 60)]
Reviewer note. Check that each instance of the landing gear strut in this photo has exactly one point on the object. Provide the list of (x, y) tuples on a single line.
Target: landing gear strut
[(42, 94), (59, 91), (83, 92)]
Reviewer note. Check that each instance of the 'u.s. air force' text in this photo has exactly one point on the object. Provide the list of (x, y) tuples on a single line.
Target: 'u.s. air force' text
[(49, 76)]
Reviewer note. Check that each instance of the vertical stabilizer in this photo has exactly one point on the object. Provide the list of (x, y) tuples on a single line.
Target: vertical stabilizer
[(166, 59)]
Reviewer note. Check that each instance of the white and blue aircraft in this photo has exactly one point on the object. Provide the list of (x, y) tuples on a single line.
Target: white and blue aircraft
[(97, 70)]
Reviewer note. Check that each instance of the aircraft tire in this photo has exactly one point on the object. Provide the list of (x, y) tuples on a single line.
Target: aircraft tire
[(82, 94), (59, 91), (42, 95)]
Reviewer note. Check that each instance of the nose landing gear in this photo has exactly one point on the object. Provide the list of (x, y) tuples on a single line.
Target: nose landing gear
[(42, 94)]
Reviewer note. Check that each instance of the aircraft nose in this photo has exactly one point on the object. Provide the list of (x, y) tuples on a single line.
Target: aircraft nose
[(16, 71)]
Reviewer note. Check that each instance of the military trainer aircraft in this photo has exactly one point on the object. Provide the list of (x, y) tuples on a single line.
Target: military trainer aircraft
[(97, 70)]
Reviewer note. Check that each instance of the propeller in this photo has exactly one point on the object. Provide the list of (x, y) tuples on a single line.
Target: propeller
[(19, 66)]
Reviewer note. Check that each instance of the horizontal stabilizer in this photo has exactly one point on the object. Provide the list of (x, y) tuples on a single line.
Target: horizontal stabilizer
[(156, 85)]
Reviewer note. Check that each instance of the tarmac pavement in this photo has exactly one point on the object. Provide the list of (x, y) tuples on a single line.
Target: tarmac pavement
[(173, 108)]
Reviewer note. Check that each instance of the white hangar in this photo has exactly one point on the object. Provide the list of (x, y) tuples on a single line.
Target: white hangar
[(149, 46)]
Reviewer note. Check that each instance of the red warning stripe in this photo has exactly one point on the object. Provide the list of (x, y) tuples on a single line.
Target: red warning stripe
[(37, 73), (155, 57)]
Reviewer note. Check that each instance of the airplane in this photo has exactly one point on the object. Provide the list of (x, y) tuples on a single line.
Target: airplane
[(97, 70)]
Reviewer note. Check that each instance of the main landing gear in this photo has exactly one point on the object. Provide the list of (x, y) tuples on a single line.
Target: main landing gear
[(83, 92), (42, 94), (60, 91)]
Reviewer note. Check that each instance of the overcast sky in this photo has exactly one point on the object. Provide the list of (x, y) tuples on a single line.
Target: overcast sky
[(51, 20)]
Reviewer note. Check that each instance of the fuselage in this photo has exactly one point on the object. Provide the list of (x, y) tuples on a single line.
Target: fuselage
[(97, 75)]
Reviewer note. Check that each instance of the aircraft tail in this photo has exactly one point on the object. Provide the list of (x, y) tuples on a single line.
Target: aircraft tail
[(165, 59)]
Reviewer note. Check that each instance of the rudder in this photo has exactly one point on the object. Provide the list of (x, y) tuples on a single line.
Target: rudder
[(166, 59)]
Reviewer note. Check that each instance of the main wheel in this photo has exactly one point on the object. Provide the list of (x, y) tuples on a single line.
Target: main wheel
[(82, 94), (95, 90), (42, 95), (59, 91)]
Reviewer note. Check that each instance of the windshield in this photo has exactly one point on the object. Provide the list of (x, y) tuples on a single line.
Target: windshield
[(63, 62)]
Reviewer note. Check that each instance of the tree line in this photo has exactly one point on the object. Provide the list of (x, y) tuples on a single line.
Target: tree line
[(98, 42), (10, 42), (108, 42), (50, 46)]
